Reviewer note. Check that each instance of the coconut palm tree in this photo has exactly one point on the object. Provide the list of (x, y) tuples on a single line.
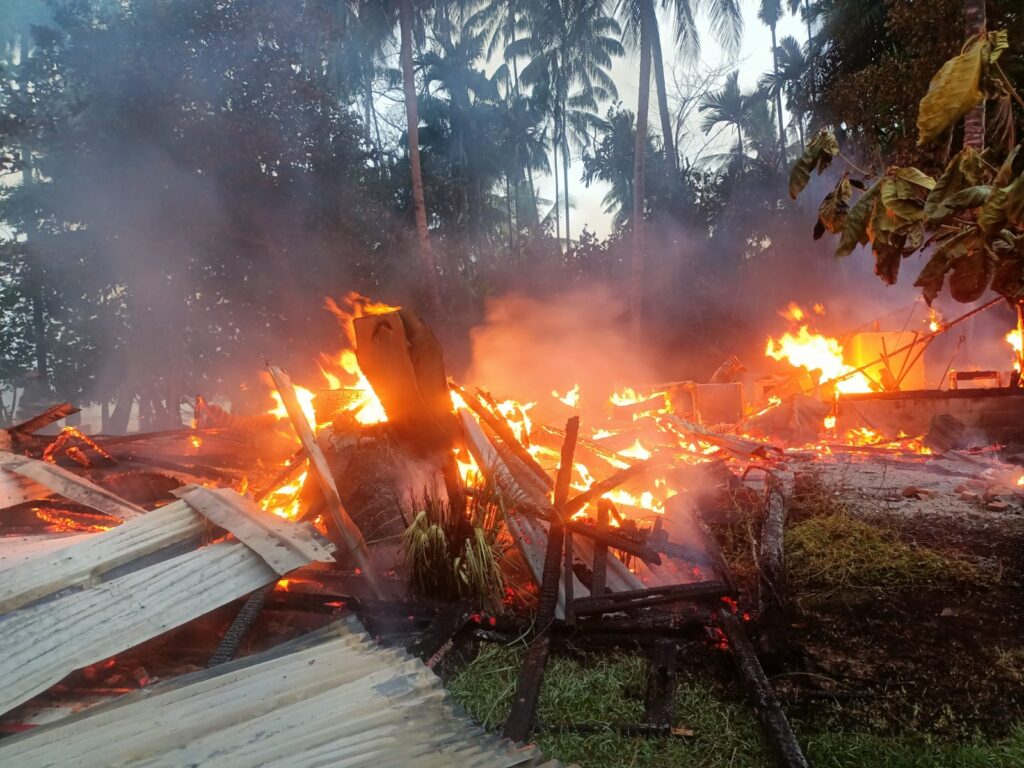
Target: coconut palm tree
[(770, 12), (728, 105), (787, 79), (640, 21), (569, 46)]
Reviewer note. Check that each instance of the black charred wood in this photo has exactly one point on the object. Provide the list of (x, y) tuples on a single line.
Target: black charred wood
[(701, 591), (766, 705)]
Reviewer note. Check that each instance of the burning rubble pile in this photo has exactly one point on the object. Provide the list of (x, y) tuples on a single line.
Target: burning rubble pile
[(432, 511)]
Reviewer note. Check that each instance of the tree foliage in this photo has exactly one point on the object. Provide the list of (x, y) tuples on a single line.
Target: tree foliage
[(968, 222)]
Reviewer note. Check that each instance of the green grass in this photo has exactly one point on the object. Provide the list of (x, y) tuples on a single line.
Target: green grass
[(837, 552), (610, 689)]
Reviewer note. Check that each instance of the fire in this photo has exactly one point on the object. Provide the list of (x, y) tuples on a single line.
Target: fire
[(793, 312), (468, 469), (196, 441), (570, 398), (517, 416), (363, 403), (1013, 338), (626, 396), (63, 442), (305, 398), (636, 451), (934, 320), (286, 501), (817, 353)]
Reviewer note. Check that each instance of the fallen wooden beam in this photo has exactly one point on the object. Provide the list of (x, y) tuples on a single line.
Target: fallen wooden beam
[(602, 487), (772, 573), (776, 727), (701, 591), (343, 523), (51, 415)]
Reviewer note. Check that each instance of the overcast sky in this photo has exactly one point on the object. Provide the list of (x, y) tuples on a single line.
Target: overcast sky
[(753, 60)]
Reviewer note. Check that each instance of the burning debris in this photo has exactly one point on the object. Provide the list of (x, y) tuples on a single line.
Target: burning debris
[(450, 497)]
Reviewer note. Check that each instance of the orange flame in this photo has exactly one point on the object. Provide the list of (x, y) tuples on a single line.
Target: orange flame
[(570, 398), (1013, 338), (817, 353)]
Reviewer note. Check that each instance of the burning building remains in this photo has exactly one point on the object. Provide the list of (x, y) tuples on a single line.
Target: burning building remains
[(436, 513)]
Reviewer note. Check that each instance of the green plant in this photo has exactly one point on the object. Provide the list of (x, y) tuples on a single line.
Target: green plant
[(452, 552)]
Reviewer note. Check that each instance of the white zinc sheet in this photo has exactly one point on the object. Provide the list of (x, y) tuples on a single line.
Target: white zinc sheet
[(332, 698)]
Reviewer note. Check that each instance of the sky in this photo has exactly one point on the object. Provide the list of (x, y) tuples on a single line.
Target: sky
[(753, 59)]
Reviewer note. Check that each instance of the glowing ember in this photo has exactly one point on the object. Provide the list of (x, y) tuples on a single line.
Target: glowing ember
[(570, 398), (1013, 338), (794, 313), (196, 441), (830, 422), (817, 353), (64, 441)]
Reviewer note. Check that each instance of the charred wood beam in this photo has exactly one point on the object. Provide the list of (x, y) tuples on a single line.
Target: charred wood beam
[(773, 720), (520, 719), (600, 567), (701, 591), (772, 573), (46, 418), (295, 464), (501, 428), (605, 539), (240, 627), (600, 488), (448, 623), (661, 683)]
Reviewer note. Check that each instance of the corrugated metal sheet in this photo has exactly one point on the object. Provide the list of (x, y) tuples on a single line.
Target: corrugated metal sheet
[(331, 698), (136, 584)]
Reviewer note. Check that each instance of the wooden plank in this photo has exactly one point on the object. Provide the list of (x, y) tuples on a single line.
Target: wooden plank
[(32, 575), (69, 485), (17, 489), (346, 527), (46, 642), (283, 546), (52, 414)]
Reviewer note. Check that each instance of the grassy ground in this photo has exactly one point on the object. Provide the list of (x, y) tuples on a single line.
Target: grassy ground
[(905, 656), (610, 689)]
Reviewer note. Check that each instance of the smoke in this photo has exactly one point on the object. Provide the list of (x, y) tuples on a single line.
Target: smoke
[(531, 345)]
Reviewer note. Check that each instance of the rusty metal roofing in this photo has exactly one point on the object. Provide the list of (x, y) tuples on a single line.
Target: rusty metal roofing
[(330, 698)]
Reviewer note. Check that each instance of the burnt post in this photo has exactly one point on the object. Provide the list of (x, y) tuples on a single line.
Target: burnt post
[(520, 719)]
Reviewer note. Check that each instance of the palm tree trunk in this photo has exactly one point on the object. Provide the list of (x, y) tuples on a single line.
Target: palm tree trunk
[(636, 291), (778, 100), (974, 122), (558, 213), (565, 183), (739, 138), (413, 121), (667, 134)]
